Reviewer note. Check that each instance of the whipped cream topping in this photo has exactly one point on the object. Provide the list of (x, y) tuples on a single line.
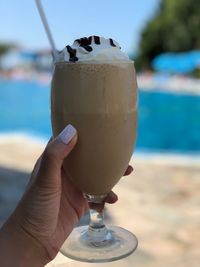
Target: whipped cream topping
[(93, 48)]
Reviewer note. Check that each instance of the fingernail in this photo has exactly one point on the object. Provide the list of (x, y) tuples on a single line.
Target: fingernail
[(67, 134)]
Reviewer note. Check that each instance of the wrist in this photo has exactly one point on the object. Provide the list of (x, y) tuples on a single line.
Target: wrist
[(19, 249)]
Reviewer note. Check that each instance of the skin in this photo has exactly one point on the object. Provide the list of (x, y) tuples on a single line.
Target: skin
[(47, 213)]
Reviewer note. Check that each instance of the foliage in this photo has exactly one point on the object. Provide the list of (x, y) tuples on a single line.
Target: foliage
[(174, 28), (5, 47)]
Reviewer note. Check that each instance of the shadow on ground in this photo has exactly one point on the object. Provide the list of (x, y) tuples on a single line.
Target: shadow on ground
[(12, 186)]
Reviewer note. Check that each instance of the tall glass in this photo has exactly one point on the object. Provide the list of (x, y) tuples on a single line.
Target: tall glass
[(100, 100)]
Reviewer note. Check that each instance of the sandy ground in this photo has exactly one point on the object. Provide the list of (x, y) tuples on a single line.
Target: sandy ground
[(159, 202)]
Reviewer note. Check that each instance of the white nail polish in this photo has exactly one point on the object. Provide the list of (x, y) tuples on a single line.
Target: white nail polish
[(67, 134)]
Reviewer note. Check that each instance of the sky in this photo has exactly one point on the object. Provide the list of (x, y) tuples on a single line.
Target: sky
[(122, 20)]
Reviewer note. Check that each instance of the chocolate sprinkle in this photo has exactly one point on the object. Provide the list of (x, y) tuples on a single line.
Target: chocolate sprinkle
[(78, 40), (97, 40), (72, 54), (89, 40), (87, 47), (84, 41), (111, 42)]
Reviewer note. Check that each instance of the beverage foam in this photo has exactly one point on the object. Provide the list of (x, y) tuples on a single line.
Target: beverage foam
[(93, 48)]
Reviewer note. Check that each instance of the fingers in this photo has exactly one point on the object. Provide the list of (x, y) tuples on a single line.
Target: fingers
[(111, 198), (34, 172), (60, 147), (128, 171), (49, 173)]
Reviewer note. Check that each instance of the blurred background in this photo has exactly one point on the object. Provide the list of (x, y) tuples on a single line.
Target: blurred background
[(163, 38)]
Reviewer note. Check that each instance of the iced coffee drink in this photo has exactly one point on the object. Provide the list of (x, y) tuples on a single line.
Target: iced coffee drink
[(94, 89)]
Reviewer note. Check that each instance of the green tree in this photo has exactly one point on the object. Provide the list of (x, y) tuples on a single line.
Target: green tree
[(5, 48), (174, 28)]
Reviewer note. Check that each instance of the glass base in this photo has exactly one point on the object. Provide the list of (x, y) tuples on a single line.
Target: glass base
[(119, 243)]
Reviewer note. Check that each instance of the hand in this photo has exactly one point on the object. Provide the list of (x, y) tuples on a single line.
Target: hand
[(52, 205)]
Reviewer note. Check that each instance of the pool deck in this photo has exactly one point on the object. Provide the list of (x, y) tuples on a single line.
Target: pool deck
[(159, 202)]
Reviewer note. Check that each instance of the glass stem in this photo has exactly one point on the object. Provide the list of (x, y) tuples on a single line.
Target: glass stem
[(97, 230)]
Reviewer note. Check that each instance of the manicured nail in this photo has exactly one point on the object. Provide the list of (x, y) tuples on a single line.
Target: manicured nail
[(67, 134)]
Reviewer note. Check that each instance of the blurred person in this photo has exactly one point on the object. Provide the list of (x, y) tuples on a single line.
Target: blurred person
[(48, 211)]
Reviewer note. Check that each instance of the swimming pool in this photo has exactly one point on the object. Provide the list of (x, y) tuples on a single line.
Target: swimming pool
[(167, 121)]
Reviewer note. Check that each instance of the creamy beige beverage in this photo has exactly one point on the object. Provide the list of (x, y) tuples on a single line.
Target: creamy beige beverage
[(99, 98)]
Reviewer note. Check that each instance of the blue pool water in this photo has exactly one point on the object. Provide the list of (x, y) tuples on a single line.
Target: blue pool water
[(167, 121)]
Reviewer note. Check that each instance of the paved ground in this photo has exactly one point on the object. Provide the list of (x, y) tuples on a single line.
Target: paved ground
[(159, 203)]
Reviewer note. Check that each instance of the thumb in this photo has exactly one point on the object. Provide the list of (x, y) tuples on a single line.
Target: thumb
[(57, 149)]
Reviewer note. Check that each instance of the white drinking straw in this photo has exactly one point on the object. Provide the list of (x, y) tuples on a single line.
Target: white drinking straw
[(47, 29)]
